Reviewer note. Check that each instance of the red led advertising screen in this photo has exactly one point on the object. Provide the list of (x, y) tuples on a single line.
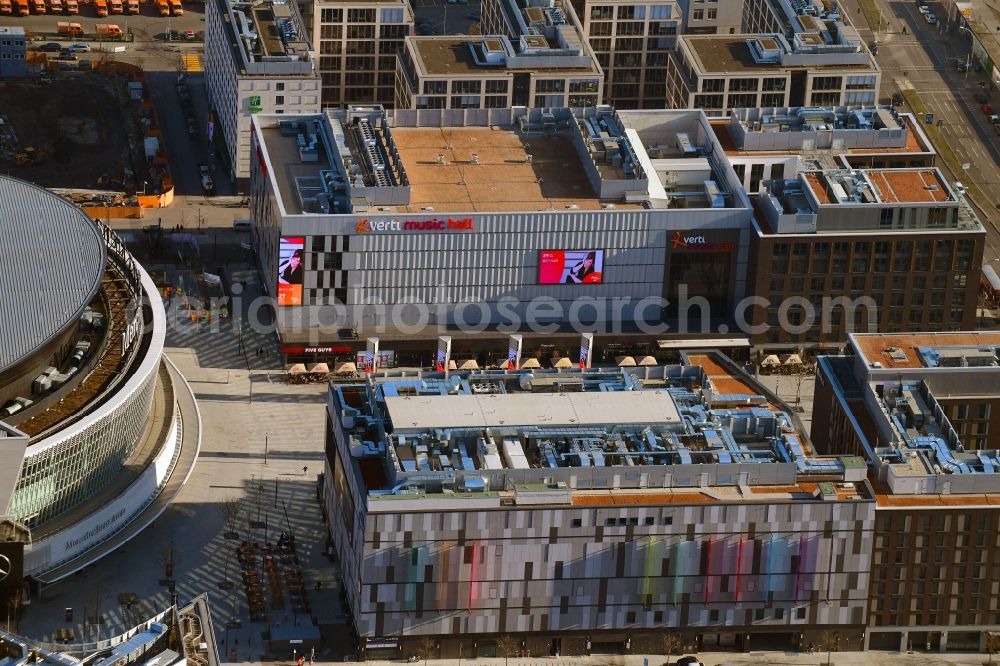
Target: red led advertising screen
[(291, 266), (571, 267)]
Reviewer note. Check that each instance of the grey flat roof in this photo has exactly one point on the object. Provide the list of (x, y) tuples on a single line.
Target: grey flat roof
[(547, 410), (53, 259)]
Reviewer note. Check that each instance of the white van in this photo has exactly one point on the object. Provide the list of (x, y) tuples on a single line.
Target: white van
[(241, 225)]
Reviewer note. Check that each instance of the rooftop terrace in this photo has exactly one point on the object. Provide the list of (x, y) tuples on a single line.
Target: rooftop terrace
[(363, 160), (267, 38), (921, 350)]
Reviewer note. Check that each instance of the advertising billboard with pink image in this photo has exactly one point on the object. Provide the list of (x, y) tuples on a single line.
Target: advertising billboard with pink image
[(571, 267)]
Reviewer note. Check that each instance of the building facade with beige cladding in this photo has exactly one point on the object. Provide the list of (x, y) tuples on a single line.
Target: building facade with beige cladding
[(631, 42), (492, 73), (356, 44)]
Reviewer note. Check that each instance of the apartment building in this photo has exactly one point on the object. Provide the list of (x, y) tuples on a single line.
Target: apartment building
[(590, 512), (356, 44), (465, 72), (13, 52), (631, 42), (920, 408), (257, 59), (712, 17)]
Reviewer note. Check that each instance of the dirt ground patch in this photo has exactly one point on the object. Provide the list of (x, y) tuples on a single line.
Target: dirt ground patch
[(84, 126)]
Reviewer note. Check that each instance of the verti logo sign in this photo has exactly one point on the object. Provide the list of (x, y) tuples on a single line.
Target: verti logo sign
[(696, 243), (366, 226), (5, 567)]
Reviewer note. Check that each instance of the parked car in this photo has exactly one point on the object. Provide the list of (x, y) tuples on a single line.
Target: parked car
[(66, 55), (193, 129), (51, 47), (995, 119), (924, 9), (980, 97), (79, 48), (189, 35), (207, 184), (987, 109), (931, 19), (959, 188), (898, 99)]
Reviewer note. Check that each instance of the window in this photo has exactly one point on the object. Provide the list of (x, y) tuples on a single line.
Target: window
[(713, 85), (279, 99), (779, 613), (392, 15), (577, 522), (660, 11)]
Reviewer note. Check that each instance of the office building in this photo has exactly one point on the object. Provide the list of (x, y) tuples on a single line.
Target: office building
[(461, 72), (590, 512), (257, 59), (789, 55), (13, 52), (848, 203), (423, 213), (920, 409), (712, 17), (631, 42), (356, 44), (96, 425)]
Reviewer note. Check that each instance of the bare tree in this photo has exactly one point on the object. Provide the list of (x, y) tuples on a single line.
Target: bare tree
[(506, 647), (427, 648), (231, 512), (670, 643), (830, 642), (14, 607), (992, 643)]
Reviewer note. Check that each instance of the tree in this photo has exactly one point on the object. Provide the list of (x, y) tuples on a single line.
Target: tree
[(170, 559), (992, 643), (427, 649), (830, 642), (506, 647), (670, 643), (231, 512)]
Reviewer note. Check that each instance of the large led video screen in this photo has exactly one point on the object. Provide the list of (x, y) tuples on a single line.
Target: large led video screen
[(571, 267), (291, 266)]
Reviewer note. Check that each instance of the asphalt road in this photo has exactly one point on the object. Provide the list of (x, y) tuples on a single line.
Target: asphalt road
[(924, 59)]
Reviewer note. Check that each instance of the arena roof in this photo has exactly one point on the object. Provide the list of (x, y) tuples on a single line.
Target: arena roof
[(53, 263)]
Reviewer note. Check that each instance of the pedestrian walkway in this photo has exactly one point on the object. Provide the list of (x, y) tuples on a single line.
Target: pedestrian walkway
[(191, 62)]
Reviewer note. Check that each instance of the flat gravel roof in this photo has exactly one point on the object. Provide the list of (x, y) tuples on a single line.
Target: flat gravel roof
[(52, 258)]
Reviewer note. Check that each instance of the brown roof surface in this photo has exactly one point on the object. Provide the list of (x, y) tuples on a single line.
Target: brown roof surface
[(730, 54), (909, 186), (722, 380), (502, 181), (818, 185), (451, 55), (603, 499), (873, 347)]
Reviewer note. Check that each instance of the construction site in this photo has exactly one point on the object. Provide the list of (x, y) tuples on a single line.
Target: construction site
[(82, 131)]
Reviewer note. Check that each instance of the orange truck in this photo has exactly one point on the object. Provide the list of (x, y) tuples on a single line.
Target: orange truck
[(55, 7), (69, 29), (38, 6), (108, 30), (117, 7), (72, 7), (101, 7), (22, 7), (132, 6), (5, 7), (163, 7), (176, 8)]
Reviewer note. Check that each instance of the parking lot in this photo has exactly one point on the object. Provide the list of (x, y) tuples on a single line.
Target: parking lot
[(147, 25)]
